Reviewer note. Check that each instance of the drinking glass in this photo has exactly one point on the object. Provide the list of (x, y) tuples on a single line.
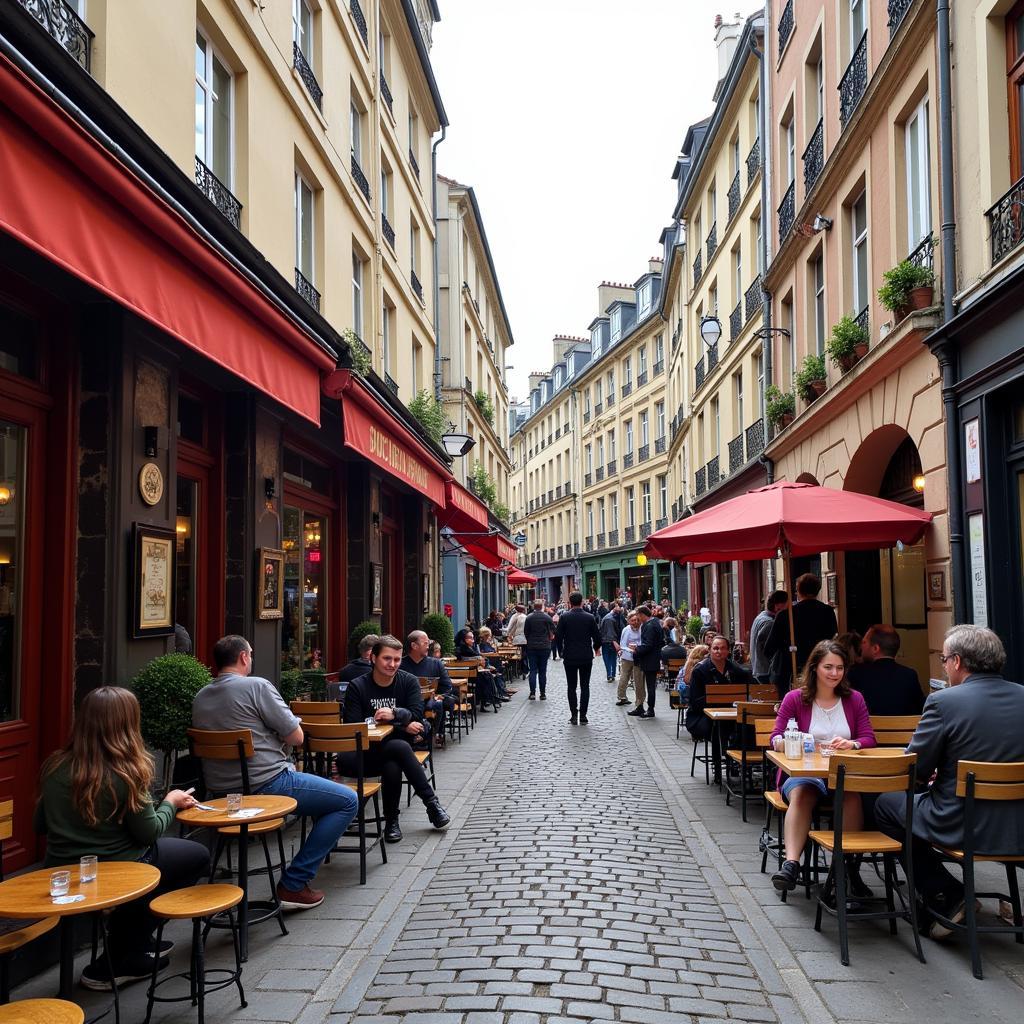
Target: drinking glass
[(60, 883), (87, 868), (825, 749), (234, 801), (370, 722)]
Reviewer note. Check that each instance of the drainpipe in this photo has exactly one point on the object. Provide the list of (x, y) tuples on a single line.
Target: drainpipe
[(945, 352), (437, 264)]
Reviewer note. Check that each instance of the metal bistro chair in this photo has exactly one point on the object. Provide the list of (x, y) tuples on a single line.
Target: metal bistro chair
[(428, 687), (675, 702), (756, 721)]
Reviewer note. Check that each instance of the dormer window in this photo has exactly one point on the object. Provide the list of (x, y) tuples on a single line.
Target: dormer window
[(643, 298), (595, 341), (558, 377), (616, 323)]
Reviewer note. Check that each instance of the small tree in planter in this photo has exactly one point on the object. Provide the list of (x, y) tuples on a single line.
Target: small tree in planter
[(440, 628), (165, 689), (781, 406), (810, 378), (693, 624), (848, 343), (364, 628), (906, 287)]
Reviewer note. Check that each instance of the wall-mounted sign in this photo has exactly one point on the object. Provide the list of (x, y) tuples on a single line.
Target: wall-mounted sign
[(972, 451), (976, 545), (151, 483)]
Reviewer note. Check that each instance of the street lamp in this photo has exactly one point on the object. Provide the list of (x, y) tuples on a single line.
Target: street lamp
[(455, 443), (710, 330)]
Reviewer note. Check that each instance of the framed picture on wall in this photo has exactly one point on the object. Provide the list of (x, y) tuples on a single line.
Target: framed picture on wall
[(376, 588), (832, 589), (937, 586), (270, 584), (425, 588), (153, 552)]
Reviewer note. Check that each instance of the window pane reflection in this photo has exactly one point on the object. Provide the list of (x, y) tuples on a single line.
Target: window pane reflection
[(12, 505), (305, 546)]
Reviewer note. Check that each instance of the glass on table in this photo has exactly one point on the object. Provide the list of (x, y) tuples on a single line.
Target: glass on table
[(87, 868), (369, 722), (60, 883), (234, 802), (826, 749)]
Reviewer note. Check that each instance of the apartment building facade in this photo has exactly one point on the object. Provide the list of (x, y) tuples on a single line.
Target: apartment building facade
[(853, 117)]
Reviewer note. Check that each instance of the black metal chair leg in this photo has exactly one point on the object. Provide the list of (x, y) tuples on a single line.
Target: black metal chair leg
[(890, 881), (110, 967), (238, 957), (971, 918), (379, 828), (839, 862), (200, 969), (150, 1002), (361, 819), (1014, 892)]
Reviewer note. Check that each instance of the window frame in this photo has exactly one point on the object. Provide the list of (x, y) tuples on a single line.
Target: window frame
[(303, 26), (358, 294), (919, 206), (859, 240), (300, 184), (1014, 87), (211, 54)]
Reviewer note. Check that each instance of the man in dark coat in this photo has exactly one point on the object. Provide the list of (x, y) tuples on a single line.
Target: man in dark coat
[(538, 629), (359, 666), (581, 641), (977, 718), (813, 621), (647, 656), (887, 687)]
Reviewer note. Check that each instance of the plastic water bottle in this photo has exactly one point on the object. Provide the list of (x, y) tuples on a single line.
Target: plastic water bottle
[(793, 740), (808, 743)]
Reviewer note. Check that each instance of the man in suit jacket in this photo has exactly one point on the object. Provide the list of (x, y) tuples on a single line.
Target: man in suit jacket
[(581, 640), (977, 718), (813, 621), (887, 688), (647, 656)]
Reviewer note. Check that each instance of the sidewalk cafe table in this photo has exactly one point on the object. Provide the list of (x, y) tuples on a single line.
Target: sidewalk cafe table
[(117, 882), (269, 808), (814, 766), (718, 715)]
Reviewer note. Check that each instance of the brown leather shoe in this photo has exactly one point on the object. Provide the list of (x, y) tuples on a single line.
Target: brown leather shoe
[(305, 899)]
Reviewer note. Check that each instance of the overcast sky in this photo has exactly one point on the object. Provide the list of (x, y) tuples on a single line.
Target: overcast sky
[(566, 117)]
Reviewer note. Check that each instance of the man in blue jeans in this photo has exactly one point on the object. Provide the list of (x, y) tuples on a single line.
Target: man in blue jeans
[(540, 631), (238, 700)]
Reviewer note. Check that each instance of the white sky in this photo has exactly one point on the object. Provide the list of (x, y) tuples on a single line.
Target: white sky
[(566, 118)]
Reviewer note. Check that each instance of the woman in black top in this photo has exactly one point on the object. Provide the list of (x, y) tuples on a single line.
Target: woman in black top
[(486, 685)]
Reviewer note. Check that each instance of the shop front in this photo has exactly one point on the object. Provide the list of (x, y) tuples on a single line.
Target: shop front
[(610, 577)]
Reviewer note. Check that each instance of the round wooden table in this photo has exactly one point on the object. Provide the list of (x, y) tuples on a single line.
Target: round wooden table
[(270, 807), (117, 882), (41, 1011)]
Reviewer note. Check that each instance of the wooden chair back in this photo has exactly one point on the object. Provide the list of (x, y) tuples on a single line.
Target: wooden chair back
[(990, 780), (223, 745), (428, 687), (723, 695), (335, 737), (462, 665), (465, 672), (764, 692), (860, 773), (764, 726), (894, 730), (748, 710), (673, 665), (6, 819), (324, 712)]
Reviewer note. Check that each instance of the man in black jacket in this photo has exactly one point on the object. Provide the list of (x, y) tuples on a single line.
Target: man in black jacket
[(813, 621), (581, 642), (887, 687), (359, 666), (391, 697), (647, 656), (538, 630)]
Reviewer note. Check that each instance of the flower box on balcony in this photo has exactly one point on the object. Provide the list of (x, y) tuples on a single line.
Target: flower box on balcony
[(906, 287)]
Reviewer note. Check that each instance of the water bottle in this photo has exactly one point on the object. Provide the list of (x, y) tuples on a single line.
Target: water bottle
[(793, 740), (808, 743)]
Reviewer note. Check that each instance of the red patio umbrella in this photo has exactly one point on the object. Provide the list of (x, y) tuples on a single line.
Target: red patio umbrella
[(520, 578), (791, 519)]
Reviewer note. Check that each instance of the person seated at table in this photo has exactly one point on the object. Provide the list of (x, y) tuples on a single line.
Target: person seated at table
[(95, 799), (236, 699), (418, 662), (485, 645), (826, 707), (693, 658), (359, 665), (434, 650), (486, 685), (888, 688), (716, 668), (851, 643), (673, 650), (391, 697)]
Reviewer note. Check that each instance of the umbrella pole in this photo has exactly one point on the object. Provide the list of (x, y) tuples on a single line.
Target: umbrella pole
[(787, 586)]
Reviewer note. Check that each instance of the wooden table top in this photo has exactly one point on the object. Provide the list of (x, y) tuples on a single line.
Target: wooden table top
[(721, 714), (41, 1011), (814, 766), (117, 882), (270, 807), (380, 732)]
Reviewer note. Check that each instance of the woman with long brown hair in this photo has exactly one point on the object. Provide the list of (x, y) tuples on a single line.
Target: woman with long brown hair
[(95, 799), (826, 707)]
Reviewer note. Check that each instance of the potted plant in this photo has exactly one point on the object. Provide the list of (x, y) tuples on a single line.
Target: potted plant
[(364, 628), (848, 337), (439, 627), (781, 406), (810, 378), (906, 287), (693, 624), (165, 689)]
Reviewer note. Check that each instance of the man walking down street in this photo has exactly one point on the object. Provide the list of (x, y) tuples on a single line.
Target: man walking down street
[(760, 663), (581, 641), (628, 668), (888, 688), (539, 631), (610, 633), (813, 621), (647, 655)]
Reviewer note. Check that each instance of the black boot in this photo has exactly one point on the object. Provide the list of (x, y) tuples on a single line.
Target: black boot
[(437, 814), (787, 876), (392, 830)]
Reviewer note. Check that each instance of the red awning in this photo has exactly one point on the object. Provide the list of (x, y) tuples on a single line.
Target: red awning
[(521, 578), (70, 200), (491, 552), (463, 512)]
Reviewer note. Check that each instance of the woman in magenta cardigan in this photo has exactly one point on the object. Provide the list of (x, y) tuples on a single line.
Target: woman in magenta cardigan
[(826, 707)]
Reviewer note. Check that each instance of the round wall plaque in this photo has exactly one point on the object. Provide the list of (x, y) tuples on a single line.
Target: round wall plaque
[(151, 483)]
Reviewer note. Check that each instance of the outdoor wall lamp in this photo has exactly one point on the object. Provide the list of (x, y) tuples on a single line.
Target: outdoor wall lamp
[(710, 330), (455, 443), (821, 223), (151, 441), (269, 488), (919, 483), (375, 519)]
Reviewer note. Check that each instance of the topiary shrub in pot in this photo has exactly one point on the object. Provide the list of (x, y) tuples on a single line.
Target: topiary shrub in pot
[(693, 624), (440, 628), (810, 378), (845, 343), (364, 628), (291, 685), (165, 689), (906, 287), (781, 406)]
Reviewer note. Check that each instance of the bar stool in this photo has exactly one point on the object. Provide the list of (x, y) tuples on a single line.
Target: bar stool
[(198, 903), (41, 1011)]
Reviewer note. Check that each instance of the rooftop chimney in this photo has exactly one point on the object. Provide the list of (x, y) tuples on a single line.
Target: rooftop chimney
[(727, 35)]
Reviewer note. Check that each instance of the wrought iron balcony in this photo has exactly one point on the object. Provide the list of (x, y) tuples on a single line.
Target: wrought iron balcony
[(627, 460), (630, 535), (712, 357), (659, 365), (387, 230), (752, 298), (787, 212), (612, 467), (755, 439), (863, 321), (414, 164), (391, 383), (363, 347), (360, 179), (697, 268), (600, 541), (736, 453), (1006, 222), (641, 379), (613, 538), (659, 444), (785, 25), (854, 81), (219, 194), (558, 491), (627, 388), (661, 523), (64, 25), (305, 288), (385, 92), (814, 156), (714, 473), (599, 474), (417, 287), (610, 401), (753, 161), (598, 408), (643, 453), (588, 479), (360, 19), (586, 416), (712, 243), (736, 321), (301, 65), (560, 551), (897, 9), (698, 371), (734, 195), (924, 254), (645, 530), (589, 543)]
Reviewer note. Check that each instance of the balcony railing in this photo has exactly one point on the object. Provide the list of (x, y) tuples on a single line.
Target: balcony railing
[(661, 523), (600, 541), (301, 65), (785, 25), (611, 397), (417, 287), (599, 474), (736, 321), (630, 535), (699, 375), (755, 439), (753, 161), (863, 321), (659, 444), (712, 243), (712, 357), (613, 538), (598, 408), (697, 268), (786, 212), (627, 461), (612, 467), (414, 164), (305, 288), (700, 481), (219, 194), (387, 230), (1006, 222), (645, 530), (659, 365), (734, 195), (391, 383), (735, 453), (627, 388), (385, 92), (589, 543), (588, 479), (586, 416), (641, 379), (752, 298), (714, 473), (897, 9), (360, 179), (643, 453), (924, 254), (814, 156), (62, 22), (854, 81), (360, 19)]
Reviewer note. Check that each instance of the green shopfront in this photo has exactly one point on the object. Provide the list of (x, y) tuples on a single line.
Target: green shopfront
[(610, 575)]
